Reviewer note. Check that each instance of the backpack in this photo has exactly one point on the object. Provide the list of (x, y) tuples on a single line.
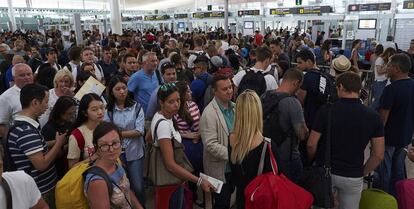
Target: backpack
[(327, 93), (69, 190), (271, 117), (274, 191), (253, 80), (80, 140)]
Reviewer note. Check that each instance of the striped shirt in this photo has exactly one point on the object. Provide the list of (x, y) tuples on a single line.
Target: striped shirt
[(25, 140), (183, 126)]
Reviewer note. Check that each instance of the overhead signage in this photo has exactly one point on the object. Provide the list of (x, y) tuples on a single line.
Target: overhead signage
[(136, 18), (157, 17), (302, 10), (180, 16), (242, 13), (408, 5), (201, 15), (369, 7)]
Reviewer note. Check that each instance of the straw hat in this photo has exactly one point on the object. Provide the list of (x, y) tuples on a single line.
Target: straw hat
[(341, 64)]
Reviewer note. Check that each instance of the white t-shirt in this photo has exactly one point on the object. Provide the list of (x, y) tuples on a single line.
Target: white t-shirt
[(74, 69), (10, 105), (24, 191), (271, 83), (378, 77), (165, 129), (52, 101)]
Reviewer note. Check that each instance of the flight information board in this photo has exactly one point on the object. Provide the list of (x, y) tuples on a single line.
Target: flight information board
[(201, 15), (302, 10), (408, 5), (369, 7), (180, 16), (157, 17), (248, 13)]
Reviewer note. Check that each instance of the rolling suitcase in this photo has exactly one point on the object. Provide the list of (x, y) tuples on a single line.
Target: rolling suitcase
[(405, 193), (372, 198)]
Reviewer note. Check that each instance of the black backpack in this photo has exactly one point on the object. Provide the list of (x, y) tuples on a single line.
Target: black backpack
[(253, 80), (271, 117), (327, 93)]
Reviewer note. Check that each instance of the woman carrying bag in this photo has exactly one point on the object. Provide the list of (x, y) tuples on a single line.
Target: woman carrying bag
[(168, 167)]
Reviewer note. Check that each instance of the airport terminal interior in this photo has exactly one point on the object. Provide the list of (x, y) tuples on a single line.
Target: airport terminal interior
[(215, 104)]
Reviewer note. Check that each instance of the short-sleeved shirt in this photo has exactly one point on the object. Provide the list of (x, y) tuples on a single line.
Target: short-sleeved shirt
[(10, 105), (142, 85), (165, 129), (291, 114), (120, 190), (398, 98), (74, 152), (311, 86), (26, 140), (271, 83), (353, 126), (185, 127), (24, 191), (126, 120)]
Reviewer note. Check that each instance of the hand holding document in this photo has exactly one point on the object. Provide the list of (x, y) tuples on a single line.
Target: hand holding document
[(215, 182), (91, 86)]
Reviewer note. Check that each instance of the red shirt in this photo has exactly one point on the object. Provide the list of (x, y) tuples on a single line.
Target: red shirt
[(258, 39)]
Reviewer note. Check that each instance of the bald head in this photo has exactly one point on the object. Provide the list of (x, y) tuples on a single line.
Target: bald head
[(22, 74)]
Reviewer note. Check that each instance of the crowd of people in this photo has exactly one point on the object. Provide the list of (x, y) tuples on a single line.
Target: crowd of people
[(211, 95)]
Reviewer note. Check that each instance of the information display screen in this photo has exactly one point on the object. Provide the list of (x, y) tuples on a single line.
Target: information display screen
[(248, 25), (408, 5), (157, 17), (181, 16), (302, 10), (367, 24), (201, 15), (248, 13), (369, 7)]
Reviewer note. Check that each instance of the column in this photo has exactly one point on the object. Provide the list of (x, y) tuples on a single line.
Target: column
[(116, 23), (12, 19), (226, 16), (77, 27)]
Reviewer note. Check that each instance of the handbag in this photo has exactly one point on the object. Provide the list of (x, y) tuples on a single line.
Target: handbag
[(318, 179), (156, 171)]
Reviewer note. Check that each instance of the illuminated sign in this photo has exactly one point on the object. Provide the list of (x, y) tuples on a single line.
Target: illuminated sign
[(369, 7), (201, 15), (157, 17), (408, 5), (180, 16), (248, 13), (302, 10)]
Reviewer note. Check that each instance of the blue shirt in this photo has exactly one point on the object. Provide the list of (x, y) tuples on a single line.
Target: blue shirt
[(142, 85), (198, 88), (398, 98), (153, 105), (311, 105), (126, 120), (228, 115)]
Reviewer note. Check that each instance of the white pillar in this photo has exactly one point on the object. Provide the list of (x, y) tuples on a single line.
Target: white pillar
[(11, 16), (116, 23), (78, 30), (226, 16)]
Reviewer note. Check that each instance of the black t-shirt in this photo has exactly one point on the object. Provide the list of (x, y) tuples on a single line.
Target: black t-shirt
[(311, 86), (398, 98), (245, 173), (353, 126)]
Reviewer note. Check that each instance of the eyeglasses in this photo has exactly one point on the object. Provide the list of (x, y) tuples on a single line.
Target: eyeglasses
[(106, 147), (167, 86)]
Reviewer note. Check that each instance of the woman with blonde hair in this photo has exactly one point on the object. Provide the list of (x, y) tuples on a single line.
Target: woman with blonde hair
[(246, 143), (63, 83)]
